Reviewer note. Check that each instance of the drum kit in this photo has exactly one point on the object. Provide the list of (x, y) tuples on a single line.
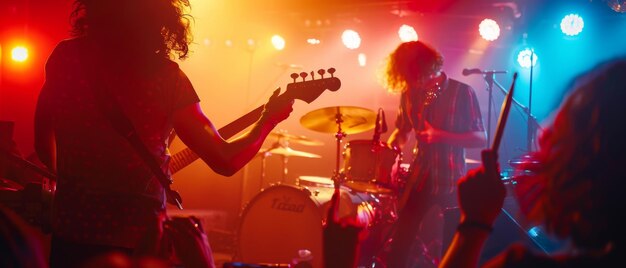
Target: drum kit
[(285, 220)]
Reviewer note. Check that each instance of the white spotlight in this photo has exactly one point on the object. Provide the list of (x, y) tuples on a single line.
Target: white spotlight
[(407, 33), (278, 42), (489, 29), (351, 39)]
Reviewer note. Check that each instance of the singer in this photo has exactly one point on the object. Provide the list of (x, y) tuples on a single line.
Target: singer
[(444, 115)]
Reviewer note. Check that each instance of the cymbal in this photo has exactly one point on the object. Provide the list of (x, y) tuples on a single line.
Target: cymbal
[(286, 151), (300, 139), (526, 162), (355, 119), (367, 187), (9, 185)]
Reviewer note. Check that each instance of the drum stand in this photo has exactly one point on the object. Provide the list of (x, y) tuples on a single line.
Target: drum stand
[(339, 135)]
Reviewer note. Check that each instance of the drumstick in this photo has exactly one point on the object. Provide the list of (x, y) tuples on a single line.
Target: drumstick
[(504, 112)]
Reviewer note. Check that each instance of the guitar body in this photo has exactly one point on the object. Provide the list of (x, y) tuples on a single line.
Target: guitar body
[(419, 169)]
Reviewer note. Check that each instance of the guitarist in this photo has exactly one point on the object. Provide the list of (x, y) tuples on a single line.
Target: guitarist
[(445, 117), (107, 198)]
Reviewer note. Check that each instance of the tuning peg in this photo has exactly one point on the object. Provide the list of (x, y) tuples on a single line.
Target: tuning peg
[(312, 75), (321, 72), (331, 71), (294, 76), (303, 75)]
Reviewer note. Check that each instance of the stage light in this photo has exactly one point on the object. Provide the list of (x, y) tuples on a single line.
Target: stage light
[(19, 54), (572, 24), (228, 43), (523, 58), (489, 29), (362, 59), (407, 33), (313, 41), (351, 39), (278, 42), (617, 5)]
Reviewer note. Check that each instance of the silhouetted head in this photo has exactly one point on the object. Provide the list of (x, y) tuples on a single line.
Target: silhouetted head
[(135, 26), (583, 181), (409, 65)]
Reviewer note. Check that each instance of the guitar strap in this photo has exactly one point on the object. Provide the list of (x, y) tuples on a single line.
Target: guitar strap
[(122, 124)]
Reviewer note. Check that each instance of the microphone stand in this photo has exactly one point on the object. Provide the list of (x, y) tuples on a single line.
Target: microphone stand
[(489, 79), (532, 121)]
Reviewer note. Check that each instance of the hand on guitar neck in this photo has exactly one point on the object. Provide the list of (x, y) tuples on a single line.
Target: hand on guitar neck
[(305, 90)]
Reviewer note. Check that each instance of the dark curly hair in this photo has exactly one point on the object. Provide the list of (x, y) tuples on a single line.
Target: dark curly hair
[(162, 26), (410, 64), (580, 191)]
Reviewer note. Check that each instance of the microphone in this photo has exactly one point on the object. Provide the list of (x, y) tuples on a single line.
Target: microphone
[(467, 72), (289, 65)]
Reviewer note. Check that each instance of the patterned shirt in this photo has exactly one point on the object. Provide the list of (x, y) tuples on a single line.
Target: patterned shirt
[(455, 109), (106, 194)]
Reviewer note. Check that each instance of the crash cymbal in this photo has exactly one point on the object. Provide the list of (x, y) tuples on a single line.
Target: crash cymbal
[(300, 139), (286, 151), (354, 119)]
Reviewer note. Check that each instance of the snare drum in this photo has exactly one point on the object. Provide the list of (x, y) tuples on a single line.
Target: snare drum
[(283, 219), (370, 162)]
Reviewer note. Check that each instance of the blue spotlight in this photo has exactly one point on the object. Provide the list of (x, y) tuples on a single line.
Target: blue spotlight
[(523, 58), (572, 24)]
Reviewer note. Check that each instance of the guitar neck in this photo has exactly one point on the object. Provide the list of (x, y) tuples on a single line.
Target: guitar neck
[(305, 90), (187, 156)]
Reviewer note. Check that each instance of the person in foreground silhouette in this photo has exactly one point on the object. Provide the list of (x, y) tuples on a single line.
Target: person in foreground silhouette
[(121, 54), (577, 194)]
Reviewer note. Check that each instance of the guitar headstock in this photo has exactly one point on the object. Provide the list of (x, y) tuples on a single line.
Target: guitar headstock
[(309, 90)]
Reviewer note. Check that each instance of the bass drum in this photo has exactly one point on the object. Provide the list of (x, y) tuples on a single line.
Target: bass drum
[(283, 219)]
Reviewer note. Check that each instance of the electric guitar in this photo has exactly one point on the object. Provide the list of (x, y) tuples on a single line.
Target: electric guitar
[(429, 93), (305, 90)]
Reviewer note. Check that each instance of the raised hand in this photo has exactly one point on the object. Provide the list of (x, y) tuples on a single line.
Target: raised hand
[(482, 192)]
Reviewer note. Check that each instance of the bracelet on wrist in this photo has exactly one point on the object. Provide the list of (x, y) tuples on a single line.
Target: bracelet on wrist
[(465, 225)]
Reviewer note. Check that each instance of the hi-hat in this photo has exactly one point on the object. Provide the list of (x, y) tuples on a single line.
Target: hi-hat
[(352, 119), (286, 151), (300, 139)]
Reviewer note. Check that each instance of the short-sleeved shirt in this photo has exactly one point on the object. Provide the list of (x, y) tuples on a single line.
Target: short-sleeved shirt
[(455, 109), (105, 193)]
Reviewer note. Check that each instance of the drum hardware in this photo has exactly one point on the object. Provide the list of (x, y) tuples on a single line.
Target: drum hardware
[(525, 162), (282, 135), (340, 120), (281, 147)]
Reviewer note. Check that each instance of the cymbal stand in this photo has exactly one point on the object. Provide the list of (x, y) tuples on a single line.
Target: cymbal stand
[(338, 137)]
